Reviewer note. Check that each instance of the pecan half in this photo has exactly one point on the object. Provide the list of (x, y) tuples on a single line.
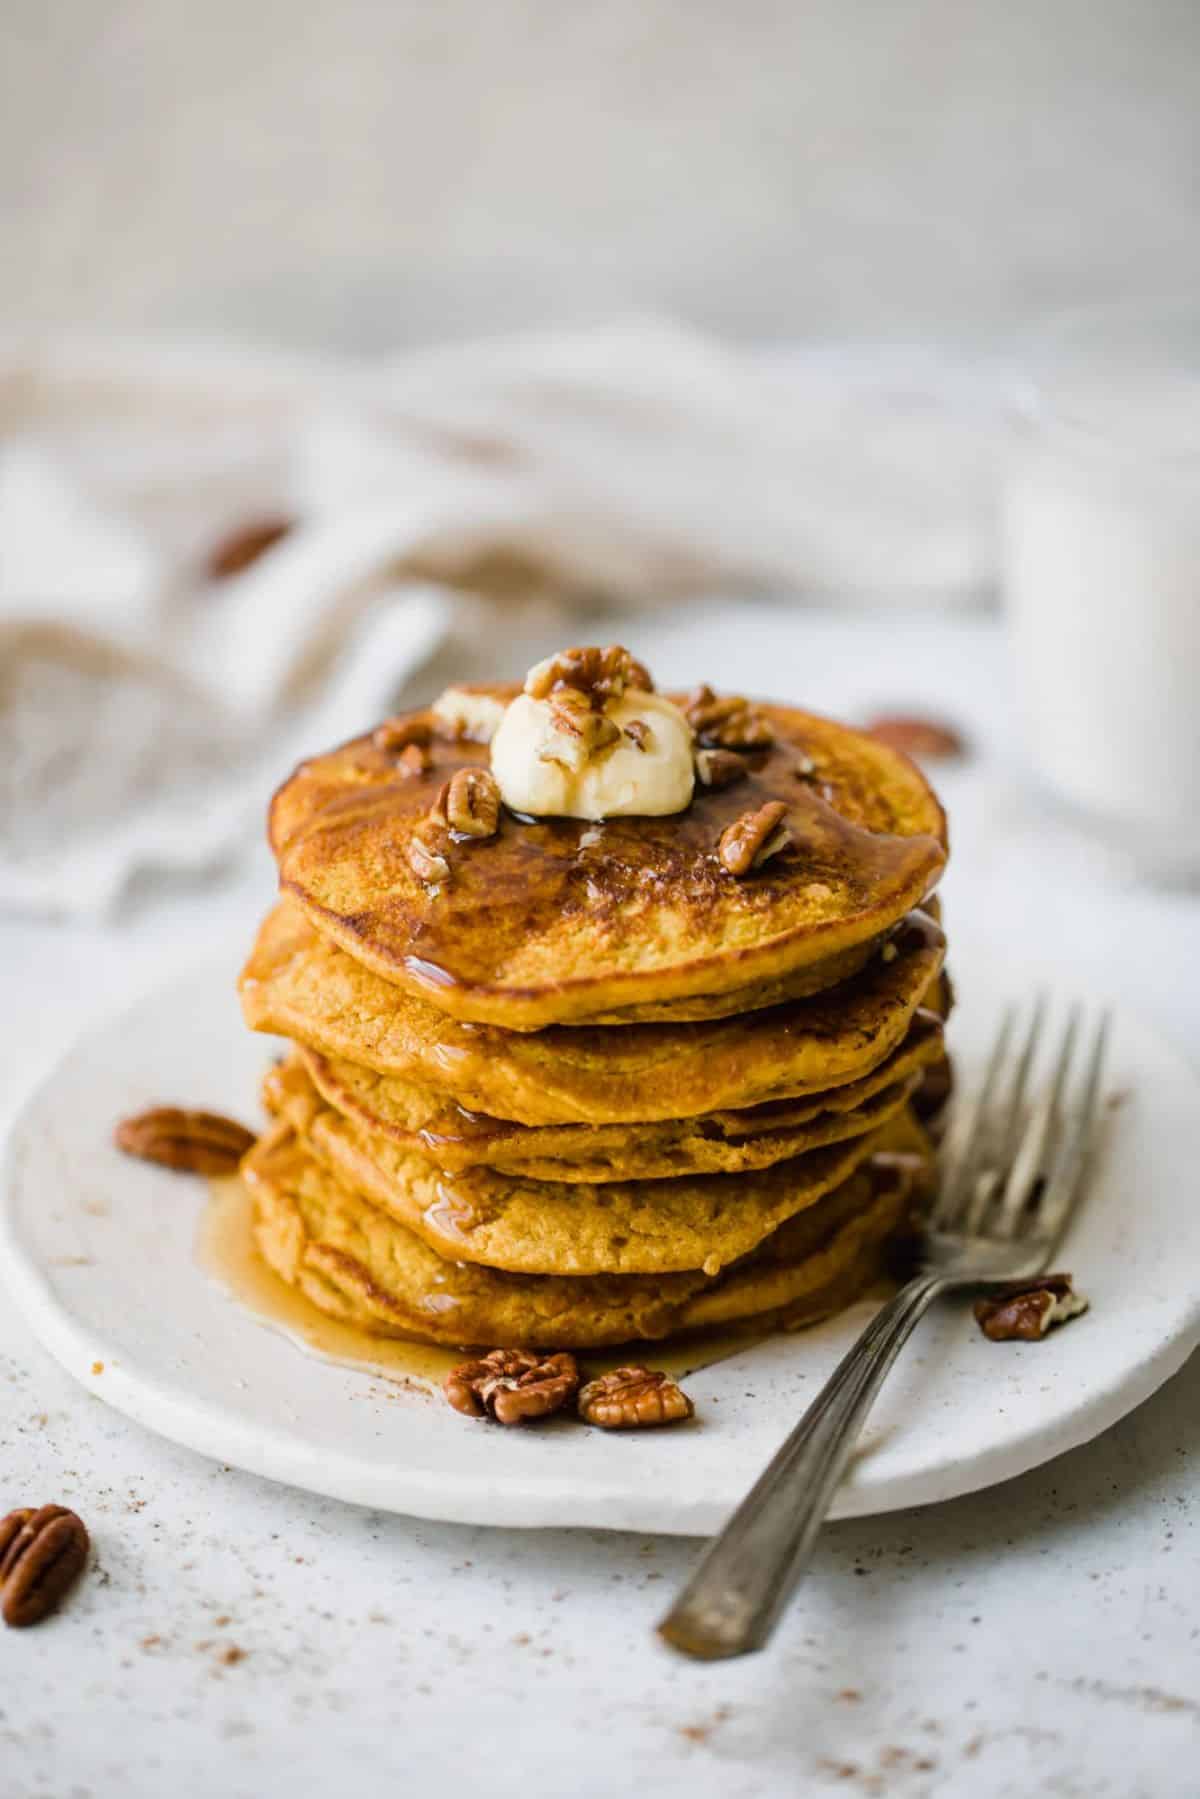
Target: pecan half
[(753, 838), (42, 1554), (194, 1142), (470, 802), (1025, 1310), (396, 734), (632, 1398), (927, 739), (235, 553), (728, 722), (511, 1385), (719, 768), (599, 674)]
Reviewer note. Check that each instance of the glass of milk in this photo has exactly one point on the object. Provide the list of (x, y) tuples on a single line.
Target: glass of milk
[(1102, 576)]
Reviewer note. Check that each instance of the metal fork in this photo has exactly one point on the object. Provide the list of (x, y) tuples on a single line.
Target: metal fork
[(1009, 1176)]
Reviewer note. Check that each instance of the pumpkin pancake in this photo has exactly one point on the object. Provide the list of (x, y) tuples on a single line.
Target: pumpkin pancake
[(418, 1118), (557, 921), (358, 1263), (300, 985), (552, 1227)]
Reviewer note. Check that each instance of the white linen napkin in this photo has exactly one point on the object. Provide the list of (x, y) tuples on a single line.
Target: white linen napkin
[(146, 709)]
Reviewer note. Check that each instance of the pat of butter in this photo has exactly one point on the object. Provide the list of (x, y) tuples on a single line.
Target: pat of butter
[(547, 772)]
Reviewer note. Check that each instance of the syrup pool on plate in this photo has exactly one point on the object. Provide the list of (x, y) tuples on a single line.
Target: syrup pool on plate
[(226, 1251)]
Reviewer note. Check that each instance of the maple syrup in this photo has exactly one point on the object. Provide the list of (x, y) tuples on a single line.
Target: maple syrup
[(226, 1250)]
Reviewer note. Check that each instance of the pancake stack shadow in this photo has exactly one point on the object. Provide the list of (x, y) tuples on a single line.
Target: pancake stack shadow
[(583, 1088)]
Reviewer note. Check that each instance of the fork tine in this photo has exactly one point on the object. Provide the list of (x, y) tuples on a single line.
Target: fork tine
[(1058, 1197), (1020, 1077), (1031, 1161), (967, 1130)]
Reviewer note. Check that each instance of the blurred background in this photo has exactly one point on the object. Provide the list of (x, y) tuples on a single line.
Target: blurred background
[(371, 175), (345, 349)]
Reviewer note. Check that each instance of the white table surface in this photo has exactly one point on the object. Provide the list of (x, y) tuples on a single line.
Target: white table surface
[(1043, 1637)]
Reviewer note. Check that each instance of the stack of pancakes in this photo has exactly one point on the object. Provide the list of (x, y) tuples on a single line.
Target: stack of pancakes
[(583, 1086)]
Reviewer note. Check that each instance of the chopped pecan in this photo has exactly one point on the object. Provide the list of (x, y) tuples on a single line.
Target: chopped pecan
[(510, 1385), (633, 1397), (638, 733), (414, 759), (728, 722), (465, 716), (470, 802), (1026, 1310), (195, 1142), (240, 548), (599, 674), (396, 734), (426, 853), (753, 838), (719, 768), (42, 1554), (928, 739)]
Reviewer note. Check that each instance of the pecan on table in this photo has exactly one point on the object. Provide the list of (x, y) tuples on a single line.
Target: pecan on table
[(719, 768), (470, 803), (926, 739), (242, 547), (511, 1385), (1024, 1311), (599, 674), (728, 722), (193, 1142), (633, 1398), (42, 1553), (753, 839), (396, 734)]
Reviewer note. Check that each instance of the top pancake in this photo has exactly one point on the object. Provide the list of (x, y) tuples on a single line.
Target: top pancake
[(560, 921)]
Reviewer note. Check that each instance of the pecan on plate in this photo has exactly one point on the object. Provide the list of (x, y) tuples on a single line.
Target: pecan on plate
[(236, 552), (598, 674), (753, 838), (632, 1398), (511, 1385), (926, 739), (719, 768), (470, 803), (1024, 1311), (194, 1142), (396, 734), (42, 1554), (728, 722)]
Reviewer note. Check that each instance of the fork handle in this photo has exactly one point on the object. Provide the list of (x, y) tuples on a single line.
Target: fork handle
[(733, 1600)]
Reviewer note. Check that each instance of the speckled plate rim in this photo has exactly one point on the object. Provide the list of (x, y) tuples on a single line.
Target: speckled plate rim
[(98, 1253)]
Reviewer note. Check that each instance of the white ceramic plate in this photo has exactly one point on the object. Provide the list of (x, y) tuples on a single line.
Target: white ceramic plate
[(98, 1251)]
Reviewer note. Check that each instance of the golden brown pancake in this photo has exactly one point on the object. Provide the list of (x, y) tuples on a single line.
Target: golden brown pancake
[(361, 1265), (299, 985), (418, 1118), (552, 1227), (556, 921)]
